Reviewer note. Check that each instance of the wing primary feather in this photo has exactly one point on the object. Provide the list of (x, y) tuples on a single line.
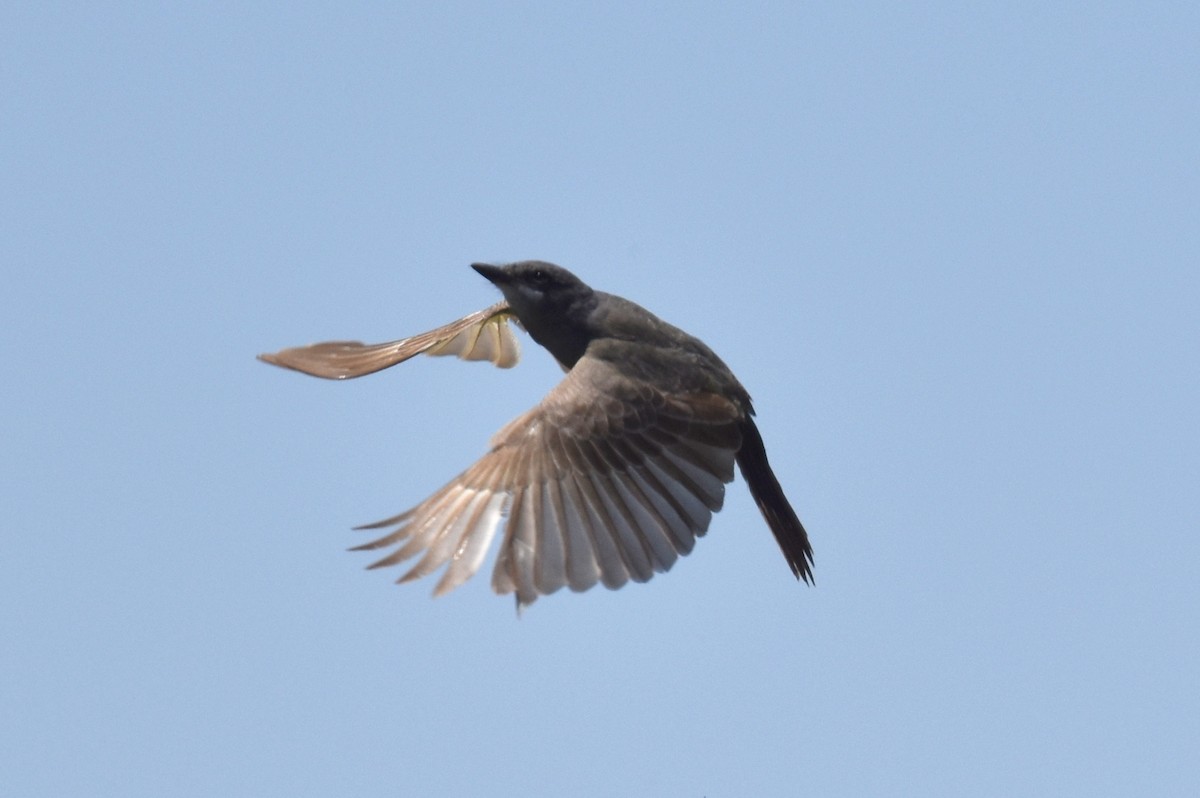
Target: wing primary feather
[(515, 478), (395, 519), (582, 569), (694, 508), (634, 550), (550, 571), (451, 533), (614, 571), (473, 544), (708, 485), (503, 576), (645, 516), (435, 536), (523, 545), (677, 522)]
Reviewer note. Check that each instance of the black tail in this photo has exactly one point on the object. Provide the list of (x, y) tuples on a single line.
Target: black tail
[(788, 531)]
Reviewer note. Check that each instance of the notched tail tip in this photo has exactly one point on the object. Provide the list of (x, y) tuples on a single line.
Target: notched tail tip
[(802, 566)]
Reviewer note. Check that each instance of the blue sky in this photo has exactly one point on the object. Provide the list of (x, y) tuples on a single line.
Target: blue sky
[(951, 250)]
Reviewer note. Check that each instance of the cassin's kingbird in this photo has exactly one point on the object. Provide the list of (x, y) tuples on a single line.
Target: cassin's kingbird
[(611, 477)]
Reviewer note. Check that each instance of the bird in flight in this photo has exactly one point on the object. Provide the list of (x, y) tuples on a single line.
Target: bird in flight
[(610, 478)]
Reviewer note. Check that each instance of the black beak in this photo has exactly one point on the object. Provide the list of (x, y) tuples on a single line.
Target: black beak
[(496, 274)]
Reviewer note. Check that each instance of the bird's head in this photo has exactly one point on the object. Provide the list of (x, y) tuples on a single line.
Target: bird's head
[(552, 304), (535, 287)]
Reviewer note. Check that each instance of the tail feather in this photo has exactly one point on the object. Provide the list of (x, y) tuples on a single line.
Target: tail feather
[(768, 495)]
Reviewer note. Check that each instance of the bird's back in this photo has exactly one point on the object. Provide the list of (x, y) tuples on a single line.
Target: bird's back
[(646, 348)]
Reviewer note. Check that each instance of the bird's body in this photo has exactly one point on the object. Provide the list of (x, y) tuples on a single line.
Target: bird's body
[(611, 476)]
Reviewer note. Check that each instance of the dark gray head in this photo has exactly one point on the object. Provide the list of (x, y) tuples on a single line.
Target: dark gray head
[(552, 304)]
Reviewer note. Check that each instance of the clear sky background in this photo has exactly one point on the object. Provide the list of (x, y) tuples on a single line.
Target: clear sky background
[(952, 250)]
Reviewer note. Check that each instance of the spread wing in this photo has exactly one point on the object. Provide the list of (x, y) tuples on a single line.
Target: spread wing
[(483, 335), (606, 480)]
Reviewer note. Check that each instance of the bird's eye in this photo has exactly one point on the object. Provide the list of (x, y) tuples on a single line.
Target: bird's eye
[(539, 277)]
